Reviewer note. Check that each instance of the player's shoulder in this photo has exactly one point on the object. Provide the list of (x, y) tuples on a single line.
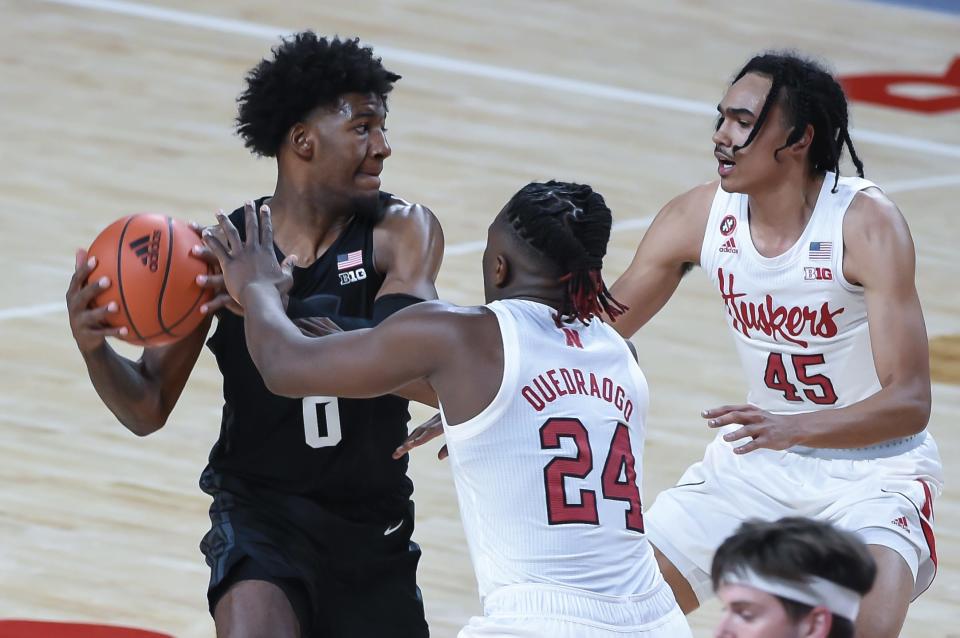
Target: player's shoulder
[(445, 309), (398, 213), (872, 214), (446, 322), (697, 200), (691, 206)]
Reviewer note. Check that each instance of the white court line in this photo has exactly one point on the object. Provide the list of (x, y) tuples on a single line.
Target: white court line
[(465, 67), (921, 183), (24, 312)]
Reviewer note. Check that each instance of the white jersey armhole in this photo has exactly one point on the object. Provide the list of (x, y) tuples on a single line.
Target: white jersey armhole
[(492, 412), (856, 184), (708, 246)]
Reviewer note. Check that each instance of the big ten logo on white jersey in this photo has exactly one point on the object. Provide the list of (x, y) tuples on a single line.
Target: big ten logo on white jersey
[(352, 276), (618, 475)]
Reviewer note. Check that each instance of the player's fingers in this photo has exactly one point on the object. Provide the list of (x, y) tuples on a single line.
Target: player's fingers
[(197, 227), (215, 245), (748, 447), (219, 302), (266, 226), (733, 417), (88, 293), (443, 453), (251, 223), (98, 316), (210, 282), (741, 433), (82, 268), (109, 331), (200, 251), (229, 235), (429, 430), (710, 413)]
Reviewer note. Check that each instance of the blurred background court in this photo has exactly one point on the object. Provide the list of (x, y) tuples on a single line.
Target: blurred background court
[(112, 107)]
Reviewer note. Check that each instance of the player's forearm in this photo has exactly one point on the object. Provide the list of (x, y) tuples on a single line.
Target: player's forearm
[(898, 410), (272, 339), (125, 390)]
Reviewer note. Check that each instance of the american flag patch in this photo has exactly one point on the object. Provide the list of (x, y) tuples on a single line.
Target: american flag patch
[(821, 249), (350, 260)]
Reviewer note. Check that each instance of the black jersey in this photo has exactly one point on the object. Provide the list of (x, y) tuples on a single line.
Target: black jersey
[(334, 451)]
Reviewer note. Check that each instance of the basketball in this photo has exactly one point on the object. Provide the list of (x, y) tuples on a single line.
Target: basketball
[(153, 277)]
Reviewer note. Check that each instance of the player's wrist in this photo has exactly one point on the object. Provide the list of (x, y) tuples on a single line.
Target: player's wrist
[(802, 430), (257, 292)]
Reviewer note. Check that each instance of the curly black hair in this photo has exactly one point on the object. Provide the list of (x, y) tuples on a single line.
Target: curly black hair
[(305, 72)]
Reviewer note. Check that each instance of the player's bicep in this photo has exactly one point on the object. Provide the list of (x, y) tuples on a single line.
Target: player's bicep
[(883, 260)]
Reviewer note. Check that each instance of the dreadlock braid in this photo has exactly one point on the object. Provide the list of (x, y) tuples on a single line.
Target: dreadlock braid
[(810, 95), (569, 224)]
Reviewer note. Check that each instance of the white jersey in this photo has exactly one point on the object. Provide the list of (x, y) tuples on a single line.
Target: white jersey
[(548, 474), (800, 327)]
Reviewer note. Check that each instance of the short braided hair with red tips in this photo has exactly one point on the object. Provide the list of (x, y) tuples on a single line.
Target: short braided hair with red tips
[(569, 224)]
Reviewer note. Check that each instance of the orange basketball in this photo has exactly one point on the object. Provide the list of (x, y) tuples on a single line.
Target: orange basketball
[(153, 277)]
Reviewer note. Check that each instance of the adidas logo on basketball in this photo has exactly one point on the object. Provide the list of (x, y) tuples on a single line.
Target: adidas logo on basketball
[(729, 246), (147, 248)]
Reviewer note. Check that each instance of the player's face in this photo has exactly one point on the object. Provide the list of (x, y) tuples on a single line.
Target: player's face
[(751, 613), (351, 146), (754, 166)]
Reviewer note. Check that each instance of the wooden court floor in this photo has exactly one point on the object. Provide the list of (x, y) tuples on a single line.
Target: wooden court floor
[(113, 107)]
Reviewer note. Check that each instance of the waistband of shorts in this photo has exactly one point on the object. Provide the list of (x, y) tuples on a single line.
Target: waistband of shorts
[(553, 601), (893, 447)]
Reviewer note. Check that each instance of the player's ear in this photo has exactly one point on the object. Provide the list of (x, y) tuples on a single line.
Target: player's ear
[(501, 271), (816, 624), (300, 141), (805, 140)]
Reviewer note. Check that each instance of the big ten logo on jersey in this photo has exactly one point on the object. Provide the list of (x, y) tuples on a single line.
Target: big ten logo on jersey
[(350, 267), (817, 274), (352, 276)]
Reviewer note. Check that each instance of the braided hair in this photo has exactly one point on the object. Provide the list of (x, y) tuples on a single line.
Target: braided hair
[(810, 95), (568, 224)]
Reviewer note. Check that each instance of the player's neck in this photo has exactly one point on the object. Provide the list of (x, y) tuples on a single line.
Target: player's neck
[(303, 225), (783, 208)]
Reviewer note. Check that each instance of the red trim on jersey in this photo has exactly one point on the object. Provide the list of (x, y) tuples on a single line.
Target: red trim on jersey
[(926, 517)]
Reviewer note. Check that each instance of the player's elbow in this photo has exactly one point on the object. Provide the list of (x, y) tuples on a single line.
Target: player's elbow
[(144, 424), (917, 407), (278, 378)]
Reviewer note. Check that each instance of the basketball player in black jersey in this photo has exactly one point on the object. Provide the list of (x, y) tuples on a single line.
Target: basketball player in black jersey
[(311, 517)]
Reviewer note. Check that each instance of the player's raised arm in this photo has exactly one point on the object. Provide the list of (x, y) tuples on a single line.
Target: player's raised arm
[(667, 251), (360, 363)]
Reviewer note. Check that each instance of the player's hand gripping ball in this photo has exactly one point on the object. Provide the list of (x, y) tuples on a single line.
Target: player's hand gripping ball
[(153, 274)]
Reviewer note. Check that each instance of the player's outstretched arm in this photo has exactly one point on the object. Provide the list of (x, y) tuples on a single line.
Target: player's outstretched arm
[(879, 255), (361, 363), (667, 251)]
